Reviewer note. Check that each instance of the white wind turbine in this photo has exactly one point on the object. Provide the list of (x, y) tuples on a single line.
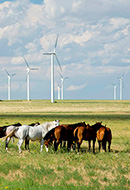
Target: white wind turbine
[(9, 83), (114, 86), (62, 85), (121, 86), (53, 54), (28, 69)]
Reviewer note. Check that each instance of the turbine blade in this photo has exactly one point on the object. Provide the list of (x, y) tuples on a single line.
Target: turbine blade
[(7, 72), (26, 62), (66, 78), (56, 41), (60, 75), (13, 74), (47, 53), (34, 69), (58, 62)]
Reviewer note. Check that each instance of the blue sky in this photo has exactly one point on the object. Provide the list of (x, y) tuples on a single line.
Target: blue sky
[(93, 47)]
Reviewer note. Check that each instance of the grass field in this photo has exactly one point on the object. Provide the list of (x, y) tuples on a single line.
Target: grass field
[(62, 170)]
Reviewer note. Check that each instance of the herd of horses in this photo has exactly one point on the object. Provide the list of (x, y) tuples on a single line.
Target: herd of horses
[(55, 133)]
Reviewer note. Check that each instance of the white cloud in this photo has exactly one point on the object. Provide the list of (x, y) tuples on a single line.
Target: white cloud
[(76, 87)]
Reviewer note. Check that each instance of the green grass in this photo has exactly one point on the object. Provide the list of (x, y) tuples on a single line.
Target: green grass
[(62, 170)]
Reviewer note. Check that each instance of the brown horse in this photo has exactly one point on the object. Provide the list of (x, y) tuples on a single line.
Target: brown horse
[(85, 133), (62, 133), (104, 135)]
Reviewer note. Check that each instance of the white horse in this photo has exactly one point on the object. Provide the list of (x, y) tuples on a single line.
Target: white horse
[(32, 133), (11, 128)]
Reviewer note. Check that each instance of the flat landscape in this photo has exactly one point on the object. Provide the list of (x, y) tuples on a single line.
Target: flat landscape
[(63, 170)]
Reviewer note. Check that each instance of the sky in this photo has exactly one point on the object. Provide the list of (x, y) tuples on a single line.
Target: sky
[(93, 47)]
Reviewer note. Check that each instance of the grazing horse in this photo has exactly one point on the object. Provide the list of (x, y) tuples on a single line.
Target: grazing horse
[(5, 129), (61, 133), (104, 135), (85, 133), (33, 133), (11, 128)]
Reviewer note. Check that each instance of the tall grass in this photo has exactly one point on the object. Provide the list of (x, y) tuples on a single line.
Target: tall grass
[(63, 170)]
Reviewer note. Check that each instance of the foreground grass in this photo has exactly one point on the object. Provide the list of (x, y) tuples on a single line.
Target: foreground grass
[(63, 170)]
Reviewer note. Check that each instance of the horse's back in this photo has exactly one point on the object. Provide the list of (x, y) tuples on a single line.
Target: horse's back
[(35, 133), (22, 131), (61, 133)]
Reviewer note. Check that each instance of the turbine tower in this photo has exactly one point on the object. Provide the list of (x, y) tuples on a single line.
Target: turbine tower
[(53, 54), (28, 81), (59, 89), (114, 86), (62, 85), (121, 86), (9, 83)]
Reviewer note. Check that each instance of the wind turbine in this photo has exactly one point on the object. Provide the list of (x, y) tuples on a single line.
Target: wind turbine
[(114, 86), (28, 82), (62, 85), (9, 83), (53, 54), (121, 86)]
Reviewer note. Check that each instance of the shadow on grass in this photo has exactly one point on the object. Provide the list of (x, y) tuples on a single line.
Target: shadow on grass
[(66, 116)]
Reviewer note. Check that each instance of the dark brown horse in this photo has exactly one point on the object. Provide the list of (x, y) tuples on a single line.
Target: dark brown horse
[(62, 133), (85, 133), (104, 135)]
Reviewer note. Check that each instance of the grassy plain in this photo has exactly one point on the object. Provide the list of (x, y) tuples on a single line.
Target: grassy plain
[(63, 170)]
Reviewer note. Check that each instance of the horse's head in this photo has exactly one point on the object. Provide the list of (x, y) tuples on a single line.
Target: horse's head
[(97, 125), (87, 125), (56, 123)]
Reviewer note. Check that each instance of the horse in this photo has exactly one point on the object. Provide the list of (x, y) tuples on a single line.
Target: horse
[(85, 133), (104, 135), (61, 133), (4, 129), (95, 127), (11, 128), (32, 133)]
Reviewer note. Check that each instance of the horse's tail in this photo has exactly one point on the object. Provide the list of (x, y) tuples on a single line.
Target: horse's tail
[(101, 133), (109, 134), (75, 133), (11, 133)]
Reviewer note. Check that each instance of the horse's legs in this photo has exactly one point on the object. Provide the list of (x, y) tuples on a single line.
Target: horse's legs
[(42, 141), (20, 142), (109, 144), (26, 143), (64, 143), (93, 146), (89, 145), (7, 142), (69, 145), (104, 145), (79, 143), (56, 145), (12, 139), (99, 143)]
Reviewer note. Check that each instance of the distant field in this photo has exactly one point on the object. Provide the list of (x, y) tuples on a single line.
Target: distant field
[(63, 170)]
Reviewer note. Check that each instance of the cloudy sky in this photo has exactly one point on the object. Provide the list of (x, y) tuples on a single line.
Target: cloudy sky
[(93, 47)]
